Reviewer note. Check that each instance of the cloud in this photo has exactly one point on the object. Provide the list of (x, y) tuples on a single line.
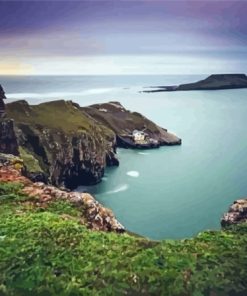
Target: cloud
[(50, 44)]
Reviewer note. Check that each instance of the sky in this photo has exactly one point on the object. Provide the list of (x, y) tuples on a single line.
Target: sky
[(123, 37)]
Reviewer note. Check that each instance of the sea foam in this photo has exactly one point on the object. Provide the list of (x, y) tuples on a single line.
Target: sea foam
[(118, 189), (134, 174)]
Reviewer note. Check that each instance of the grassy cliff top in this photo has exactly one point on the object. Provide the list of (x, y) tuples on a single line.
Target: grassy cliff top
[(45, 251), (123, 122), (108, 118), (120, 120), (57, 115)]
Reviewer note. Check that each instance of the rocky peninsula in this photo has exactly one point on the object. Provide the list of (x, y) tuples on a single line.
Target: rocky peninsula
[(132, 129), (213, 82), (67, 145)]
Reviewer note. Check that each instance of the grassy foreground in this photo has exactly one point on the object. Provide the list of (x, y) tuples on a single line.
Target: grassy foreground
[(45, 251)]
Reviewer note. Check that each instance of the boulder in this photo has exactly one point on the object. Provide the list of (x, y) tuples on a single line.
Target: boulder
[(237, 213)]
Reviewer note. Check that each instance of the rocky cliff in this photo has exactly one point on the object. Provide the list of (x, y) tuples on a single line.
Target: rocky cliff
[(59, 141), (8, 139), (67, 145), (237, 213), (2, 105)]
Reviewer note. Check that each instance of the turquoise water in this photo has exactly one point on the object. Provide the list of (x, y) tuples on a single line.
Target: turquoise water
[(171, 192)]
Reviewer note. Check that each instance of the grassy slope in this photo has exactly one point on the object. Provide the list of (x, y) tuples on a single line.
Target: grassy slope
[(55, 115), (45, 252), (120, 120)]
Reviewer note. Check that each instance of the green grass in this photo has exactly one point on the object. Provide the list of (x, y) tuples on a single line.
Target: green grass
[(57, 115), (42, 253), (31, 163)]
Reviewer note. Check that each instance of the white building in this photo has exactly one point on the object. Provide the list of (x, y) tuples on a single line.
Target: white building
[(138, 135)]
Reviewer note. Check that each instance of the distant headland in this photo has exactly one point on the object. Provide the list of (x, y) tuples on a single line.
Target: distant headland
[(213, 82)]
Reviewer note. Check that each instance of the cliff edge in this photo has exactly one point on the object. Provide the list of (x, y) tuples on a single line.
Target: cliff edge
[(60, 143)]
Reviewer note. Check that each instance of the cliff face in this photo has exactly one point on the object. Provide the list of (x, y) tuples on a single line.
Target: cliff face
[(2, 106), (8, 139), (57, 140)]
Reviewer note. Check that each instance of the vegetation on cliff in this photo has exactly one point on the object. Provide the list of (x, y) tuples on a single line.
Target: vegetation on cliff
[(46, 251)]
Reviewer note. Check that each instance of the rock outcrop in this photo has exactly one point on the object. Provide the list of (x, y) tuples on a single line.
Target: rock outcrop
[(213, 82), (123, 122), (93, 214), (2, 105), (8, 139), (237, 213)]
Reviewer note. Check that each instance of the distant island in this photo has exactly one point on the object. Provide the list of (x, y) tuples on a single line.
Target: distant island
[(213, 82)]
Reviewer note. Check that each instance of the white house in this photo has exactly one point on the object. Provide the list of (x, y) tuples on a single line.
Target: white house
[(138, 135)]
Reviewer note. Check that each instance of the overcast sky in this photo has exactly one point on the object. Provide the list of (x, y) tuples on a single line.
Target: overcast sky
[(123, 37)]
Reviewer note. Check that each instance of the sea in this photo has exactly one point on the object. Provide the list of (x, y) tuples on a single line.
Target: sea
[(171, 192)]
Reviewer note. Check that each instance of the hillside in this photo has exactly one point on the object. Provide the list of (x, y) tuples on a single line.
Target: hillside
[(123, 122), (47, 248)]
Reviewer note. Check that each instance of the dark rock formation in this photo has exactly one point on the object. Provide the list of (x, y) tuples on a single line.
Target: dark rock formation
[(123, 122), (8, 139), (213, 82), (237, 213), (2, 106)]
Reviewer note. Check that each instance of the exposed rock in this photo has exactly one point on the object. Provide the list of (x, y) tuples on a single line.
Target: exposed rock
[(2, 105), (213, 82), (8, 139), (94, 214), (237, 213)]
